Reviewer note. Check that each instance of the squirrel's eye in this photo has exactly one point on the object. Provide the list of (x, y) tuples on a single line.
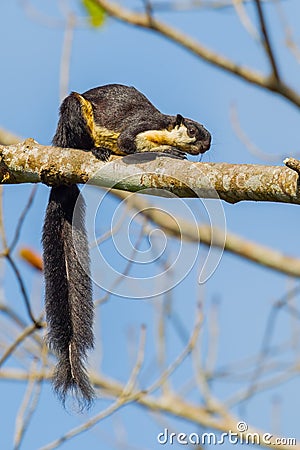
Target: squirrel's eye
[(192, 131)]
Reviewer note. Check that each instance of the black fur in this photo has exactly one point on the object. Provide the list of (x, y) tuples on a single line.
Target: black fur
[(69, 306), (68, 293), (72, 130), (68, 287), (127, 111)]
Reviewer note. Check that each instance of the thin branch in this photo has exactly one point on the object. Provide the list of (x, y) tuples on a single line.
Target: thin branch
[(22, 218), (266, 40), (245, 20), (66, 55), (162, 308), (268, 334), (182, 356), (270, 383), (23, 335), (110, 233), (87, 425), (125, 271), (27, 409), (247, 141), (14, 267), (126, 396), (11, 313), (2, 226), (39, 17), (289, 38), (187, 5), (173, 405), (130, 385)]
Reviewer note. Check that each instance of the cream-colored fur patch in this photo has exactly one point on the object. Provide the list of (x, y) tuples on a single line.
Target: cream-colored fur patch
[(177, 137)]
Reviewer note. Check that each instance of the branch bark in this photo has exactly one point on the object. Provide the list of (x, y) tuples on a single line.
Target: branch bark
[(30, 162)]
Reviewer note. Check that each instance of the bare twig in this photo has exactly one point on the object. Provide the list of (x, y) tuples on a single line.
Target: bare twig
[(27, 409), (270, 383), (181, 357), (266, 40), (12, 314), (125, 272), (22, 218), (213, 336), (127, 395), (289, 38), (23, 335), (187, 5), (174, 405), (87, 425), (66, 56), (2, 227), (130, 385), (239, 6), (17, 273), (111, 232), (248, 143), (38, 16), (161, 337), (268, 334)]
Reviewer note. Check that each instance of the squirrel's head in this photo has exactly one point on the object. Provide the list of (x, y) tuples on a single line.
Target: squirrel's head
[(190, 136)]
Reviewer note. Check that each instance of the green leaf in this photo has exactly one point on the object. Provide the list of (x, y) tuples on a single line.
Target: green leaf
[(95, 12)]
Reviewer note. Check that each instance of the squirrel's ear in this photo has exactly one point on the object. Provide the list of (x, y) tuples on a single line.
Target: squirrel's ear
[(83, 102), (178, 120)]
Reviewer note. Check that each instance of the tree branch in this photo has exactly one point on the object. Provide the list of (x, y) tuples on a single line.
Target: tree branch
[(29, 162), (187, 5), (251, 76), (171, 404), (266, 40), (213, 236)]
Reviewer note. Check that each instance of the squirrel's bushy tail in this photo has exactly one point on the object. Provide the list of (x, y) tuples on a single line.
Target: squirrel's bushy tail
[(68, 292)]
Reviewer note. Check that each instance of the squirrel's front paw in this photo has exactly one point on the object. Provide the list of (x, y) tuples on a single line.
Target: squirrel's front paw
[(101, 153)]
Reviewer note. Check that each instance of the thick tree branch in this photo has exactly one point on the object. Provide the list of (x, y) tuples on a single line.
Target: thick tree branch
[(30, 162)]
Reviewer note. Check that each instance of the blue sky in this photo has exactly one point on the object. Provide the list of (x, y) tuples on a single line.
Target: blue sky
[(176, 82)]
